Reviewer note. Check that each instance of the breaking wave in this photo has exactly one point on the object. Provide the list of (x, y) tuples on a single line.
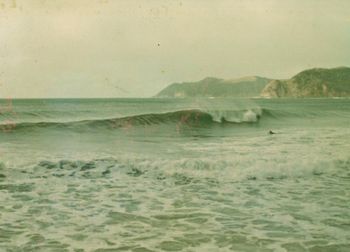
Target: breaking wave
[(192, 117)]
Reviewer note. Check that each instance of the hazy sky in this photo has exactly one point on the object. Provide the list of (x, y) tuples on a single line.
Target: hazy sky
[(130, 48)]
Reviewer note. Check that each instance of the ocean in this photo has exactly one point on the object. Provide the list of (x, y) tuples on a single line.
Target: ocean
[(175, 175)]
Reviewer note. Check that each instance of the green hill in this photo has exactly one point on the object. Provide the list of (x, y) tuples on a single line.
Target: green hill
[(317, 82), (214, 87)]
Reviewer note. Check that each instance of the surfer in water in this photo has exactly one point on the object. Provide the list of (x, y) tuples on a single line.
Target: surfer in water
[(271, 132)]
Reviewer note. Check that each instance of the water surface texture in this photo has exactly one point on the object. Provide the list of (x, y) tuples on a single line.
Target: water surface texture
[(175, 175)]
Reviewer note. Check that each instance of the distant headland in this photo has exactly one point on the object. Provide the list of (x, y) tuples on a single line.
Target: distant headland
[(316, 82)]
